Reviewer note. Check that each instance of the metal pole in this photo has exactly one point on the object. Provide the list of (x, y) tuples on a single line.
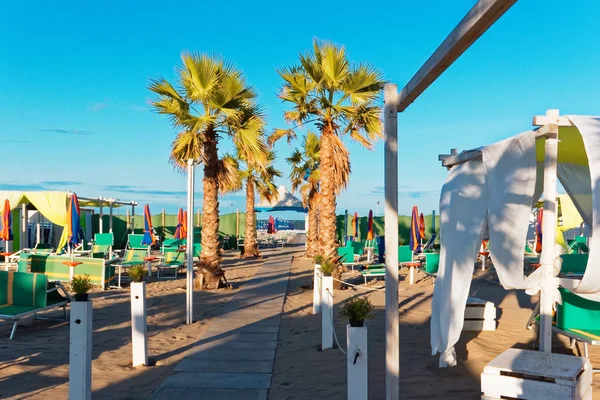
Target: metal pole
[(110, 218), (392, 340), (24, 226), (548, 239), (101, 219), (190, 246), (132, 218)]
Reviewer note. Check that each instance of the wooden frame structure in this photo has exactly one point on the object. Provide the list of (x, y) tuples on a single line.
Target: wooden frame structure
[(478, 20)]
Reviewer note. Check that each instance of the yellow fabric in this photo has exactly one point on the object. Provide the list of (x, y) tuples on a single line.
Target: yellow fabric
[(9, 289), (53, 206), (570, 219), (14, 198), (570, 147)]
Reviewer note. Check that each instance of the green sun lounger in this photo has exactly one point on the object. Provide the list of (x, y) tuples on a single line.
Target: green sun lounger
[(172, 260), (432, 263), (23, 294), (103, 242), (130, 258), (574, 264)]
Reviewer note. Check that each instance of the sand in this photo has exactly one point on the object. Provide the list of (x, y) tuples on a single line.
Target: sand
[(35, 364), (303, 372)]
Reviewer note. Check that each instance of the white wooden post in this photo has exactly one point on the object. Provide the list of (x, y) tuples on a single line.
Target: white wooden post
[(190, 246), (132, 218), (411, 274), (326, 312), (548, 232), (80, 351), (317, 289), (357, 363), (392, 336), (24, 224), (110, 217), (139, 337), (101, 217)]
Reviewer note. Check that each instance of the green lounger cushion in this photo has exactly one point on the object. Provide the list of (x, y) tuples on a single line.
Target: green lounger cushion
[(346, 254), (373, 272), (404, 254), (575, 312), (574, 263), (104, 239), (432, 263), (135, 241), (21, 292)]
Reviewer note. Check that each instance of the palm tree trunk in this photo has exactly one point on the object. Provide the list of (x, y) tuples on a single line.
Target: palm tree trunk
[(210, 274), (312, 242), (250, 249), (327, 196)]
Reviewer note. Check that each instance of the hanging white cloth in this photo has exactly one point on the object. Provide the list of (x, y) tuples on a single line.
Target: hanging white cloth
[(496, 191)]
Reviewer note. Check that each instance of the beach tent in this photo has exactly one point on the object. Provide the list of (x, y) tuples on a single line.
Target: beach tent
[(285, 201), (53, 205), (494, 188)]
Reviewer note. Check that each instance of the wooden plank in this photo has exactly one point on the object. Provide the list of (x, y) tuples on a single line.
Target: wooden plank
[(535, 363), (471, 27), (500, 386), (462, 157), (392, 336)]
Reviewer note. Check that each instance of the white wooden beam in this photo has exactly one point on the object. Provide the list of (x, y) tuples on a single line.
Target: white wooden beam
[(392, 321), (473, 25)]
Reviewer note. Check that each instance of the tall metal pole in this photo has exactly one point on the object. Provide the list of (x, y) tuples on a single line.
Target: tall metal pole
[(132, 217), (548, 238), (110, 218), (392, 340), (101, 218), (190, 245)]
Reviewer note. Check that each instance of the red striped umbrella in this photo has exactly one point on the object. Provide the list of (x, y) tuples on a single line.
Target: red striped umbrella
[(149, 238), (415, 231), (178, 230), (538, 236), (6, 232), (184, 229), (370, 224), (422, 226)]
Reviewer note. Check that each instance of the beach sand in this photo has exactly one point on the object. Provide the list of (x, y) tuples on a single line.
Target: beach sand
[(303, 372), (35, 364)]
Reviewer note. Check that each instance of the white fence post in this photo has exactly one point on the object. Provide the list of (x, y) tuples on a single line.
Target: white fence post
[(139, 338), (80, 351), (357, 363), (317, 289), (326, 312)]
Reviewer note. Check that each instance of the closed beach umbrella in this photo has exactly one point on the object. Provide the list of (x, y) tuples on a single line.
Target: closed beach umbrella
[(346, 222), (370, 231), (184, 226), (355, 226), (422, 226), (415, 231), (178, 229), (149, 238), (73, 222), (538, 230), (6, 232)]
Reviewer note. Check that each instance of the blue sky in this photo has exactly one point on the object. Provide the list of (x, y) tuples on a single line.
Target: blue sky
[(74, 75)]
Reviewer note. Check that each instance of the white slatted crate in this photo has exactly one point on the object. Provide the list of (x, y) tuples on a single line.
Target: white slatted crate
[(533, 375), (480, 315)]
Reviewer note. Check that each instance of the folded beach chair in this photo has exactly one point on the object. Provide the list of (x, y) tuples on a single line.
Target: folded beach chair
[(578, 246), (429, 245), (172, 260), (134, 241), (103, 243), (23, 294)]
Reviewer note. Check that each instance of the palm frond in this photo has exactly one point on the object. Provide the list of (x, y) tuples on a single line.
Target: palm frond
[(228, 175), (187, 145)]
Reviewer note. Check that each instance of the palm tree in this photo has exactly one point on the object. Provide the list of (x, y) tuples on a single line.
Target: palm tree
[(341, 99), (261, 180), (305, 175), (209, 101)]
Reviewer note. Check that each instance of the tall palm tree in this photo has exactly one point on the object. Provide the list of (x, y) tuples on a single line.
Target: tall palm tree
[(262, 181), (306, 175), (209, 101), (341, 99)]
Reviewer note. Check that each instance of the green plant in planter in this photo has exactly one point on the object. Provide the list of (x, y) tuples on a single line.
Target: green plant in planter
[(357, 310), (327, 267), (81, 284), (137, 273), (319, 259)]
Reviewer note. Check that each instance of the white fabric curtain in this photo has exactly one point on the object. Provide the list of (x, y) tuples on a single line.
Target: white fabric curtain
[(575, 178), (496, 191)]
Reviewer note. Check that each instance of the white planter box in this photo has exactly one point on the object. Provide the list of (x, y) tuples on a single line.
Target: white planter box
[(326, 312), (480, 315), (317, 289), (139, 337), (357, 367), (80, 351), (532, 375)]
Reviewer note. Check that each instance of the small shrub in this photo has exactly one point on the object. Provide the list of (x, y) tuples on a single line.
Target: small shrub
[(137, 273), (81, 284), (319, 259), (357, 310), (327, 267)]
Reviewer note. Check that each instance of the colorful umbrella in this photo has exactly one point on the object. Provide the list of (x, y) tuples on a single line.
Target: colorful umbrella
[(73, 222), (355, 226), (422, 226), (415, 231), (271, 225), (184, 228), (370, 224), (178, 229), (149, 238), (538, 228)]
